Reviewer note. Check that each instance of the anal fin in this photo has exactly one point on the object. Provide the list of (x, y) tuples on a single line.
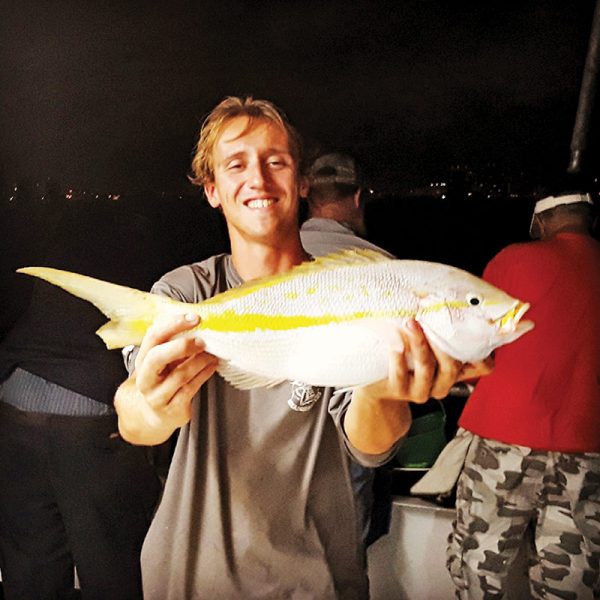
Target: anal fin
[(245, 380)]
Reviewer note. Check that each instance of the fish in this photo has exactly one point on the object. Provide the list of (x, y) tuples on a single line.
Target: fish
[(326, 322)]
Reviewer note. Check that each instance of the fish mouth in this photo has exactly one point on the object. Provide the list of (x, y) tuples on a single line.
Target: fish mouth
[(511, 320)]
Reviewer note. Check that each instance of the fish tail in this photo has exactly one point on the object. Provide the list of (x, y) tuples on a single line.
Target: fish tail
[(130, 311)]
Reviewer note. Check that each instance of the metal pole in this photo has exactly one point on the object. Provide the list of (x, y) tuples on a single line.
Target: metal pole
[(586, 96)]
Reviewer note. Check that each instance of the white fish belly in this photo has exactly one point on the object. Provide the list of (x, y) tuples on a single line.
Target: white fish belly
[(336, 355)]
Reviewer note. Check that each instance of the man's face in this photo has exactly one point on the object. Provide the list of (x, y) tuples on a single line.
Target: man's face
[(256, 183)]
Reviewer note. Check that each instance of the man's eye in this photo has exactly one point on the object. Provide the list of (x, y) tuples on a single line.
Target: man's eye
[(235, 166), (276, 162)]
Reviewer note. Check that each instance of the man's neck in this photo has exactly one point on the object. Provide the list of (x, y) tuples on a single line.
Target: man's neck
[(567, 228), (342, 212), (253, 260), (334, 211)]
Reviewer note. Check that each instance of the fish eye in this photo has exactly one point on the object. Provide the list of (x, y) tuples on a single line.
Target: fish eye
[(474, 300)]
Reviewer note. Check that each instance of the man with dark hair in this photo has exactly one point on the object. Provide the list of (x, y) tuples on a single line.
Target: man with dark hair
[(258, 502), (534, 463), (336, 211)]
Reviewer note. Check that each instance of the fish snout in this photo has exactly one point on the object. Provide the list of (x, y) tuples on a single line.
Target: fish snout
[(511, 320)]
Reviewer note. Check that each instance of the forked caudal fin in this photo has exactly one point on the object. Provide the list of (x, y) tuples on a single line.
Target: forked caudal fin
[(130, 311)]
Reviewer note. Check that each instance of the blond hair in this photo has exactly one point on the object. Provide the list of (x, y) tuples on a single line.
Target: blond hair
[(214, 124)]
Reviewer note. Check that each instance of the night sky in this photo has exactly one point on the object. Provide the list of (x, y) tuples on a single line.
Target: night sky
[(109, 95)]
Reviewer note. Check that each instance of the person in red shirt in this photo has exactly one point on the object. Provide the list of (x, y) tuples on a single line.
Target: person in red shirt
[(534, 462)]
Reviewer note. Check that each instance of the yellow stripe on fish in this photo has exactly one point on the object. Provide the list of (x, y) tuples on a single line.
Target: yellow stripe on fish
[(231, 321)]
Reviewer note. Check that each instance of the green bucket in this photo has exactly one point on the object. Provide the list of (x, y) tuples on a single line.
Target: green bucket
[(425, 440)]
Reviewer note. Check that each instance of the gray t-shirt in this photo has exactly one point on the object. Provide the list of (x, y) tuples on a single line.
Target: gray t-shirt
[(258, 501), (321, 236)]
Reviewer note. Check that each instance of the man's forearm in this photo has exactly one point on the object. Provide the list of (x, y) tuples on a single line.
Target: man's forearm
[(373, 425)]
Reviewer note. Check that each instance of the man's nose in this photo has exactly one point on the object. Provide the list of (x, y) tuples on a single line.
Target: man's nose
[(258, 175)]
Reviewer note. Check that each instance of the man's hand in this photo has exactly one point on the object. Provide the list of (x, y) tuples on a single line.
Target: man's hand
[(431, 374), (169, 369), (473, 371), (379, 413)]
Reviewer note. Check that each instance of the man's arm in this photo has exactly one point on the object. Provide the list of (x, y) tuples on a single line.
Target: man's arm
[(157, 398), (379, 413)]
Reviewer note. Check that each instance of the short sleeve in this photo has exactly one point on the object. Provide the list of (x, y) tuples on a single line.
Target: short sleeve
[(338, 406)]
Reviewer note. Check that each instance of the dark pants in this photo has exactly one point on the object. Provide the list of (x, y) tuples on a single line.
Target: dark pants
[(72, 492)]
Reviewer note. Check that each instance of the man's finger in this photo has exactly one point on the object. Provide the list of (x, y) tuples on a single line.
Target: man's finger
[(448, 370), (477, 369), (181, 380), (182, 400), (162, 359), (163, 330), (424, 362), (399, 374)]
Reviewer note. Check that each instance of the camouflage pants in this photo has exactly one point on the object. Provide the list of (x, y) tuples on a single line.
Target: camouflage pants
[(506, 493)]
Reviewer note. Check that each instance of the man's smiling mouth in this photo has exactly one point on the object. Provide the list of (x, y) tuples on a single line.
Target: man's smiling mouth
[(259, 202)]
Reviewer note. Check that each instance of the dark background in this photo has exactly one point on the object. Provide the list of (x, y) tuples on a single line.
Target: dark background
[(109, 94)]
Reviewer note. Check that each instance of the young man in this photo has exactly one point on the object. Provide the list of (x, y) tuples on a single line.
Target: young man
[(534, 463), (258, 502)]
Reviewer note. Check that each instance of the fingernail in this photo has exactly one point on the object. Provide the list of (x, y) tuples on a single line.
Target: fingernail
[(191, 318), (411, 325), (199, 341)]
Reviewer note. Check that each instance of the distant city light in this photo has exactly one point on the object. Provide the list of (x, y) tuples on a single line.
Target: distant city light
[(489, 181)]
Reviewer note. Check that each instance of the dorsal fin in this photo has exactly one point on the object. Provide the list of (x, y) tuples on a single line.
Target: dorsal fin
[(351, 257)]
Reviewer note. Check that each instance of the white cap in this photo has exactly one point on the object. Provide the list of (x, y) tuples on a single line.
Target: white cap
[(552, 201)]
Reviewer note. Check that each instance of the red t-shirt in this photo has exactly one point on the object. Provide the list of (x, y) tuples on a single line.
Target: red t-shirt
[(544, 392)]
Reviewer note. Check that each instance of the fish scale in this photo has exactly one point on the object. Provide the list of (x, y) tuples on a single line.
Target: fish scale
[(376, 292)]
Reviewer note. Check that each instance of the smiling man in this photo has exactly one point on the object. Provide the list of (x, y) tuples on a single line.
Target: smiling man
[(256, 185), (258, 502)]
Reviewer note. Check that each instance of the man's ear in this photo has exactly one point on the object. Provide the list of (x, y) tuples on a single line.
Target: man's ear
[(534, 228), (210, 191), (303, 187), (357, 197)]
